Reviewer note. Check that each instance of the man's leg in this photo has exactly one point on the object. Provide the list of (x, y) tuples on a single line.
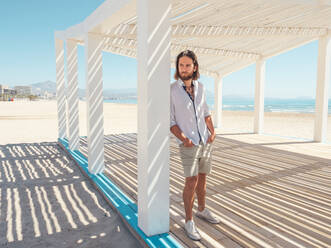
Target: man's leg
[(204, 169), (188, 196), (201, 191)]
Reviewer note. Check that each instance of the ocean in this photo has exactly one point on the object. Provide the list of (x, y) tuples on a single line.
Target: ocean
[(270, 105)]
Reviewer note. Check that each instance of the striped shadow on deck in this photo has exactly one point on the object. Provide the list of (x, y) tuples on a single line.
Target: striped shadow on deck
[(267, 191), (121, 202)]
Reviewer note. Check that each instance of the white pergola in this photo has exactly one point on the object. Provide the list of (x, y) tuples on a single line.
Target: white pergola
[(226, 36)]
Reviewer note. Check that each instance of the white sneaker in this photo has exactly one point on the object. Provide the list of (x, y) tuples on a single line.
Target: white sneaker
[(191, 230), (208, 216)]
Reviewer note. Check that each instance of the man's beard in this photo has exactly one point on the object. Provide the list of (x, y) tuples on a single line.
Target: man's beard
[(186, 77)]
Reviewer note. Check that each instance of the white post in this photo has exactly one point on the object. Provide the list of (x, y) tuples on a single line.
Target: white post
[(72, 96), (60, 88), (323, 79), (259, 97), (153, 115), (218, 83), (94, 102)]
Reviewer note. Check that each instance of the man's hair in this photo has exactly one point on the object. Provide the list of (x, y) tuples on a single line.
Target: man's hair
[(191, 55)]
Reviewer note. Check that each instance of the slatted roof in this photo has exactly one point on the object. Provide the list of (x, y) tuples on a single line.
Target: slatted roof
[(226, 35)]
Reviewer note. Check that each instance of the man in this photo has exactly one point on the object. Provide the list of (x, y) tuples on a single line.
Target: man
[(191, 123)]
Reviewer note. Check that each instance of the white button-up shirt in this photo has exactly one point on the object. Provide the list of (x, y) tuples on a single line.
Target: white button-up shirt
[(187, 115)]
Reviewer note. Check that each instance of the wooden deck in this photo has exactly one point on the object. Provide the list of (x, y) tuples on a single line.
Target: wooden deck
[(268, 191)]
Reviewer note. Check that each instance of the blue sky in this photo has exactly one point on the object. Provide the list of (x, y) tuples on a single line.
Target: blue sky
[(27, 53)]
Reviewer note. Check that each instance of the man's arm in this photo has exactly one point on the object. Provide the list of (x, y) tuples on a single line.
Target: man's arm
[(180, 135), (210, 126)]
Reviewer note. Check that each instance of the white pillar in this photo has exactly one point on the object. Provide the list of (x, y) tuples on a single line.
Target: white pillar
[(72, 96), (323, 79), (153, 115), (259, 97), (94, 103), (218, 84), (60, 88)]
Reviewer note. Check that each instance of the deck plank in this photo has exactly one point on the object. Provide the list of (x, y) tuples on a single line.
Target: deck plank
[(268, 191)]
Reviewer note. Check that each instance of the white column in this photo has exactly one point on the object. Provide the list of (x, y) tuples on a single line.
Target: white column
[(323, 79), (259, 97), (60, 88), (94, 103), (218, 83), (72, 96), (153, 115)]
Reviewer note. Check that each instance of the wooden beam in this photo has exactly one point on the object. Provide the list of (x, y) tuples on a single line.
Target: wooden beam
[(259, 97), (94, 103), (201, 31), (218, 52), (60, 88), (111, 13), (218, 95), (132, 43), (208, 31), (73, 99), (322, 85), (288, 48), (153, 57), (133, 54)]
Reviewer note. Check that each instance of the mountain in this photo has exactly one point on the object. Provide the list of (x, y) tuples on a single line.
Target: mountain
[(50, 87), (42, 87)]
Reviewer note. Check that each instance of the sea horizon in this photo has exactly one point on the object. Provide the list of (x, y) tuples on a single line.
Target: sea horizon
[(291, 105)]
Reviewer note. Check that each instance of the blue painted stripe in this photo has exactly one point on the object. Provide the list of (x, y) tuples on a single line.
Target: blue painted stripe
[(124, 204)]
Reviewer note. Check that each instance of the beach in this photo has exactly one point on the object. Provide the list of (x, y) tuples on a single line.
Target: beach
[(36, 121), (65, 210), (46, 201)]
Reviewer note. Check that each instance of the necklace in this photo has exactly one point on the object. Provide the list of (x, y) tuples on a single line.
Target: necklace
[(190, 90)]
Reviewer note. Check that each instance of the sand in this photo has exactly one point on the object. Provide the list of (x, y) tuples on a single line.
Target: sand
[(36, 122), (35, 175), (45, 201)]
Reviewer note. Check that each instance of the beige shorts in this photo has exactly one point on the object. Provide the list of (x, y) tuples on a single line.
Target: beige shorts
[(196, 159)]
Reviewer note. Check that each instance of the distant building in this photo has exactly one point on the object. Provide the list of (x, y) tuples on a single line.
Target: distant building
[(23, 90), (48, 95), (6, 93), (9, 92), (2, 88)]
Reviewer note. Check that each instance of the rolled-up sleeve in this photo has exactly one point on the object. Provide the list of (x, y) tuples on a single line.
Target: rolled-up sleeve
[(172, 112)]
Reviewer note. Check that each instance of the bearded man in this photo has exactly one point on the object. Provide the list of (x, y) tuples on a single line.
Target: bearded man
[(191, 123)]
